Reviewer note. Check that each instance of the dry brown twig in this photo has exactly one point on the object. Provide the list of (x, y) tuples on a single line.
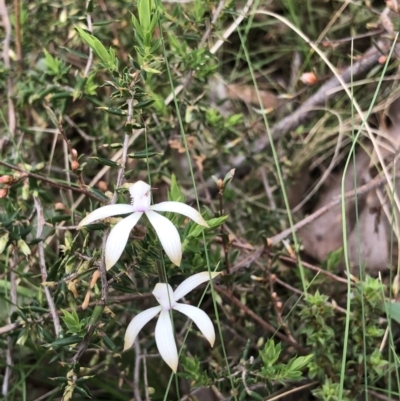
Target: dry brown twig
[(229, 295), (43, 269), (6, 59), (13, 305), (54, 184)]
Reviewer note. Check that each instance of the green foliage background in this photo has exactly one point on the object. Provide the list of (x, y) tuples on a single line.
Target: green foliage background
[(84, 82)]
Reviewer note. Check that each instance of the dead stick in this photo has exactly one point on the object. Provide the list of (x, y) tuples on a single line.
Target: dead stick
[(227, 294)]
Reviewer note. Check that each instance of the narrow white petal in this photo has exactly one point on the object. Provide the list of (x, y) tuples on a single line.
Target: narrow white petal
[(165, 340), (137, 324), (192, 282), (118, 238), (164, 295), (168, 236), (140, 194), (203, 322), (181, 208), (104, 212)]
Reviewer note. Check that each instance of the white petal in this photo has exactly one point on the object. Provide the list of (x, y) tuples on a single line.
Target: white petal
[(140, 194), (181, 208), (137, 324), (104, 212), (118, 238), (165, 295), (192, 282), (168, 236), (203, 322), (165, 340)]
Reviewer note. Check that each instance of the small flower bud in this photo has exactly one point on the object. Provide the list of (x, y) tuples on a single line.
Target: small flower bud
[(279, 305), (3, 192), (309, 78), (61, 207), (274, 295), (7, 180), (382, 59), (74, 165), (74, 154), (23, 247), (102, 185)]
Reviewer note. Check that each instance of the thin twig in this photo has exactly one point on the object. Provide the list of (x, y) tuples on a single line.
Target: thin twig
[(13, 305), (90, 29), (18, 39), (6, 60), (136, 372), (43, 269), (54, 184), (78, 129), (359, 192), (227, 294), (146, 383), (228, 32), (316, 269), (216, 15), (293, 390)]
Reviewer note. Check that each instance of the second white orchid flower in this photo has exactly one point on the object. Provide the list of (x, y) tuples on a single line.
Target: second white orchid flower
[(167, 298), (166, 231)]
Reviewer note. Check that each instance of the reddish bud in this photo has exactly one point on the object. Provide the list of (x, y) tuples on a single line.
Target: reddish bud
[(102, 185), (7, 180), (61, 207), (74, 165), (382, 59), (3, 192), (309, 78)]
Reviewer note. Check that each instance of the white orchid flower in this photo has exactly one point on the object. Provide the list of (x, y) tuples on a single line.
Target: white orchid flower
[(167, 298), (166, 231)]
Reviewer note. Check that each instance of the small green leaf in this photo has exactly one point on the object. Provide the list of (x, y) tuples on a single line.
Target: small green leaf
[(393, 310), (144, 10), (143, 104), (142, 154), (105, 162), (116, 112), (65, 341)]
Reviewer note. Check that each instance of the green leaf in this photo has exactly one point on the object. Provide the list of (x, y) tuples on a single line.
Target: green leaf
[(393, 310), (144, 11), (108, 58), (142, 154), (300, 362), (174, 193), (216, 221), (116, 112), (105, 162), (143, 104), (333, 259), (270, 353), (65, 341)]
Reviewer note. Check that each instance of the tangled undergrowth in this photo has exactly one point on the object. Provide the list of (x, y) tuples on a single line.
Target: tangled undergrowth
[(278, 122)]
